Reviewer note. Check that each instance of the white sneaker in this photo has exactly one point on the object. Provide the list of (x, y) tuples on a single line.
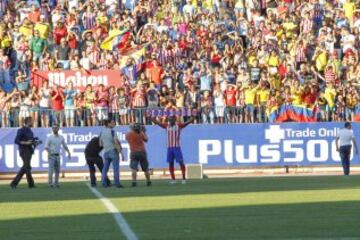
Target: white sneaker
[(172, 182), (183, 182)]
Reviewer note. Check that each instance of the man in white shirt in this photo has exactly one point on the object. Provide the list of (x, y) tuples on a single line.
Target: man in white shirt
[(343, 145), (53, 147), (189, 8), (111, 148)]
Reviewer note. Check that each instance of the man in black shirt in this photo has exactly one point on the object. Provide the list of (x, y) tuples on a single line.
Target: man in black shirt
[(25, 140), (93, 158)]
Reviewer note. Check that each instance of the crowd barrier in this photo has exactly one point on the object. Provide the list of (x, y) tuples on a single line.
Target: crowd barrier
[(215, 146)]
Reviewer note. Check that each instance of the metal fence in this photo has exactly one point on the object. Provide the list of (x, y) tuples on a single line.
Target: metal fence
[(71, 117)]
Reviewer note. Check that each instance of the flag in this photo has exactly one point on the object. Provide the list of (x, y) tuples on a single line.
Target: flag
[(137, 54), (293, 113), (117, 39)]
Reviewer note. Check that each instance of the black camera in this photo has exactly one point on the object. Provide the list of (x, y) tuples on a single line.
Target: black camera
[(36, 141), (137, 127)]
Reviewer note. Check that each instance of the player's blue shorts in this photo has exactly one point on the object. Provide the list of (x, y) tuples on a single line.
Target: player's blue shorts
[(174, 153)]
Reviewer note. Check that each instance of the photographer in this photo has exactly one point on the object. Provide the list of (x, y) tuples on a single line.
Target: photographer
[(53, 147), (136, 139), (27, 143)]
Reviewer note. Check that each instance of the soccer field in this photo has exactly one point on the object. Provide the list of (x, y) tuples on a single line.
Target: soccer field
[(325, 207)]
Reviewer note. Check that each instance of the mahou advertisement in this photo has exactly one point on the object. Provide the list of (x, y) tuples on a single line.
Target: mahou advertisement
[(80, 79)]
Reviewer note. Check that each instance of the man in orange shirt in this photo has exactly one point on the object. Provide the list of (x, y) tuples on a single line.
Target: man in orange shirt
[(137, 138), (156, 73), (34, 15)]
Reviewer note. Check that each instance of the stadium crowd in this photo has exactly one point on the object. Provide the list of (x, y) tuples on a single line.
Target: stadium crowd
[(232, 61)]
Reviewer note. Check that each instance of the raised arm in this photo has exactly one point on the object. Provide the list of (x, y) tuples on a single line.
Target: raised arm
[(188, 121), (157, 122)]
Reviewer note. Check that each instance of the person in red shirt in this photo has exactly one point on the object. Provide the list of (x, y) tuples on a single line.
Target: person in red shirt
[(34, 15), (60, 31), (57, 99), (230, 101), (156, 73)]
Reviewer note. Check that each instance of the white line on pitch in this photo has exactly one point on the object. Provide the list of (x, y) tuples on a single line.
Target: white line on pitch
[(119, 218)]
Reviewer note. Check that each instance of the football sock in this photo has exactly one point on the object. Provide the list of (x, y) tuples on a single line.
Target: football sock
[(183, 170), (172, 171)]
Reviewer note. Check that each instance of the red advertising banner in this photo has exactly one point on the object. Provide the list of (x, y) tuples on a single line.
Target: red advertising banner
[(79, 78)]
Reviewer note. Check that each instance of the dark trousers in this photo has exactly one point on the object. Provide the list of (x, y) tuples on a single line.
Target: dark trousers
[(92, 161), (25, 169), (345, 152)]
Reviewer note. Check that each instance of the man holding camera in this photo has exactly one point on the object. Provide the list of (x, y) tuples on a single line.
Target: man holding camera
[(137, 138), (26, 142), (53, 147)]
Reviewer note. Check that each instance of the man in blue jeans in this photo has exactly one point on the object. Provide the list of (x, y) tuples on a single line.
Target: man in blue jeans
[(112, 149), (344, 139)]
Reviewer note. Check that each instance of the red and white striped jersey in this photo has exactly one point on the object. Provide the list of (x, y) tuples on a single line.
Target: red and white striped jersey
[(89, 20), (307, 26), (300, 54), (330, 76), (173, 134), (139, 99)]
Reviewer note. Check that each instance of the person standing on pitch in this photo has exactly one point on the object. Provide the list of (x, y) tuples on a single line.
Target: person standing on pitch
[(53, 147), (137, 138), (343, 146), (173, 130), (112, 148), (25, 140), (92, 156)]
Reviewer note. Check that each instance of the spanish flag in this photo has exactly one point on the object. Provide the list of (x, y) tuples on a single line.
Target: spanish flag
[(117, 39)]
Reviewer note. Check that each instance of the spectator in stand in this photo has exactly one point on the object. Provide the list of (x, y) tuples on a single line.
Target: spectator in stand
[(102, 103), (57, 99), (192, 47), (69, 104)]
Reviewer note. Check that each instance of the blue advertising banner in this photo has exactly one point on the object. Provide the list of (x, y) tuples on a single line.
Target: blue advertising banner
[(211, 145)]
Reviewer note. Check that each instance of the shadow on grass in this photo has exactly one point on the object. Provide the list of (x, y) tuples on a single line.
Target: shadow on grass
[(79, 190), (287, 221), (78, 227)]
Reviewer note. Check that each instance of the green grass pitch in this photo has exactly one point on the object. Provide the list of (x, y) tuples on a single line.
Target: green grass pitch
[(238, 208)]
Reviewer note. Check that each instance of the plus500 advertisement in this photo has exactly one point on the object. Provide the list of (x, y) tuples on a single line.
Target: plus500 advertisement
[(210, 145)]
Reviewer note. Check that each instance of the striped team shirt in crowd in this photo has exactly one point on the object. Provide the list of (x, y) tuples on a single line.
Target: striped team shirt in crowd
[(330, 76), (139, 99), (307, 26), (317, 12), (3, 6), (89, 20), (263, 4), (300, 54), (94, 56), (173, 134)]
